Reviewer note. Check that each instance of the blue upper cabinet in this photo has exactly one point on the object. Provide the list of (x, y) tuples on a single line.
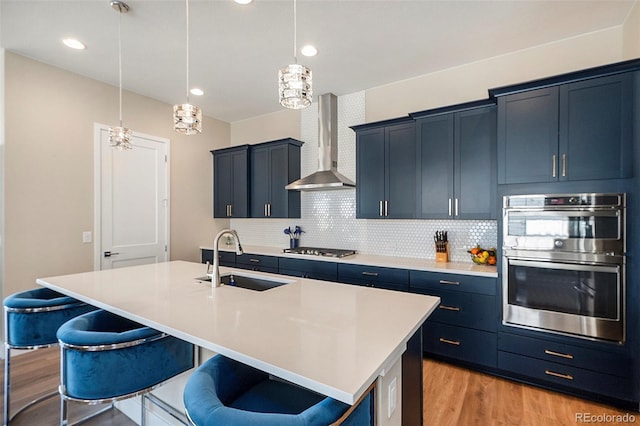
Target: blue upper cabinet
[(528, 136), (230, 182), (274, 165), (385, 170), (581, 130), (455, 157), (596, 132)]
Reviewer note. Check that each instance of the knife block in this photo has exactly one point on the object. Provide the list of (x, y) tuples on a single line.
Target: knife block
[(442, 257)]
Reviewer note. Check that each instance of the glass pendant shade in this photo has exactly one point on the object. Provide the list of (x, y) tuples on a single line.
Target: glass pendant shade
[(295, 86), (187, 119), (120, 138)]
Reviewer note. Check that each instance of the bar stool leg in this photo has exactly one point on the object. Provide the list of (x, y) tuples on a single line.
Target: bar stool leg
[(63, 412), (7, 363), (143, 422)]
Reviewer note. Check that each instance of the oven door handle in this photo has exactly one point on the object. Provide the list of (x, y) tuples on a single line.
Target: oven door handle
[(562, 265), (609, 212)]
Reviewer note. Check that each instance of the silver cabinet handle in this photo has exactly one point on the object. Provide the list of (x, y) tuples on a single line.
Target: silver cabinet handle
[(567, 356), (370, 274), (265, 210), (269, 209), (386, 208), (553, 165), (230, 210), (564, 165), (449, 282), (450, 342), (254, 260), (449, 206), (562, 376), (449, 308), (381, 211), (456, 211)]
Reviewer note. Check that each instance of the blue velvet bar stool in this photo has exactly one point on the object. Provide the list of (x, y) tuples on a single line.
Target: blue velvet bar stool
[(31, 320), (225, 392), (105, 358)]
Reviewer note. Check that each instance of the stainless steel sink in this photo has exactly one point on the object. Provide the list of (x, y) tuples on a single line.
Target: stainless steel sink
[(247, 281)]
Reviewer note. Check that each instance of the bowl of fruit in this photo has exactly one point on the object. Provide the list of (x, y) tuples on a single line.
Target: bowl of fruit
[(483, 256)]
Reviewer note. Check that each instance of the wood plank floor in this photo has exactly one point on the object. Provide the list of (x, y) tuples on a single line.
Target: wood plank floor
[(452, 396), (457, 396)]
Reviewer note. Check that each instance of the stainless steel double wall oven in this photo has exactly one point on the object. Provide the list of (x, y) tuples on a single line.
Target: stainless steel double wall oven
[(564, 264)]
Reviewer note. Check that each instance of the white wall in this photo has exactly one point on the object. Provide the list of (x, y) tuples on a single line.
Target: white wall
[(278, 125), (2, 173), (471, 81), (49, 169), (631, 42)]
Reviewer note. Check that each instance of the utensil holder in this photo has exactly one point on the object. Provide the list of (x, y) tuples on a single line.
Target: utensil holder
[(442, 257), (293, 242)]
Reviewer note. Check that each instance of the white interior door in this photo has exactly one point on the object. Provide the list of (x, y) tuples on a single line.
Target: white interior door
[(133, 197)]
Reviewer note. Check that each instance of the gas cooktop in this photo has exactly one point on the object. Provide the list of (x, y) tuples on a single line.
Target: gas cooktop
[(316, 251)]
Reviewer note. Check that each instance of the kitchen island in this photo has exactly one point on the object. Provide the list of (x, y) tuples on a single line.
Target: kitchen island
[(332, 338)]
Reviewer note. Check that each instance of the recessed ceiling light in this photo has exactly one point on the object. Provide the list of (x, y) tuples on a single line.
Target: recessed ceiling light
[(309, 50), (74, 43), (243, 1), (197, 92)]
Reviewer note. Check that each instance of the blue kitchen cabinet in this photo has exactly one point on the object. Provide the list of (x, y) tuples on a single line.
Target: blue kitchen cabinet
[(567, 366), (226, 258), (463, 327), (456, 162), (596, 131), (581, 130), (374, 276), (317, 270), (385, 170), (274, 165), (257, 262), (230, 182)]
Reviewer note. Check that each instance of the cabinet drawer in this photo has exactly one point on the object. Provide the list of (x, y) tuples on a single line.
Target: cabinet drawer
[(257, 262), (328, 271), (465, 309), (227, 258), (560, 353), (374, 276), (565, 375), (478, 347), (312, 275), (453, 282)]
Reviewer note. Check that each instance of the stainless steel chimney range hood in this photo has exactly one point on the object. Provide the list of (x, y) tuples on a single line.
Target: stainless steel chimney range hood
[(327, 177)]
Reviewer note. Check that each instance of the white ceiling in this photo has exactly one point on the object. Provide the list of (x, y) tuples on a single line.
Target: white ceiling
[(236, 50)]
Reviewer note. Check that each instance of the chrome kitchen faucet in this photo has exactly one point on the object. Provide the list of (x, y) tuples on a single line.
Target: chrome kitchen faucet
[(215, 275)]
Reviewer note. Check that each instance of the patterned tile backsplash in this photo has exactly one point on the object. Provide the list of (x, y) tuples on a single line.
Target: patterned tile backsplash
[(329, 217)]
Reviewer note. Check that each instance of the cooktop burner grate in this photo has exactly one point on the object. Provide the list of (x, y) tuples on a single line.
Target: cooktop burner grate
[(317, 251)]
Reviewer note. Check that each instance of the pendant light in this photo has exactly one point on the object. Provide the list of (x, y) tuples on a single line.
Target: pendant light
[(294, 81), (120, 137), (187, 118)]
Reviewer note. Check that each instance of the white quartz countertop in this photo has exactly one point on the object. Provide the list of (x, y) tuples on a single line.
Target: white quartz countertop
[(335, 339), (428, 265)]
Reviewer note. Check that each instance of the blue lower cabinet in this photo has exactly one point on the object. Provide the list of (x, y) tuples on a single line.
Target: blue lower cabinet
[(465, 309), (601, 361), (257, 262), (567, 377), (460, 343), (374, 276), (226, 258), (317, 270)]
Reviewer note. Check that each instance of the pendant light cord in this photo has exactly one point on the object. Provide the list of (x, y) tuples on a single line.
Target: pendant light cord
[(295, 32), (120, 64), (187, 50)]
